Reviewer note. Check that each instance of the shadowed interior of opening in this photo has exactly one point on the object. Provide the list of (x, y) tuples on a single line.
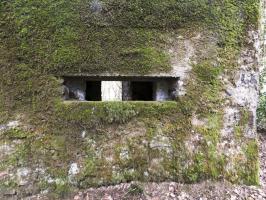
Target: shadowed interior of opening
[(120, 88), (93, 91), (142, 91)]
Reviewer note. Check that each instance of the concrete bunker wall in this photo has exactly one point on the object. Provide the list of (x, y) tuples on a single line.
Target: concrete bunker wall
[(207, 133)]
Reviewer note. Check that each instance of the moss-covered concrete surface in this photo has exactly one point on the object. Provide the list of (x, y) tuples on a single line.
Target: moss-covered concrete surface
[(189, 140)]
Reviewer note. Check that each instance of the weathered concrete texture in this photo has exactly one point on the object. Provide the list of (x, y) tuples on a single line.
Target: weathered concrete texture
[(243, 91), (166, 90), (153, 147), (127, 93), (205, 190), (74, 89), (186, 51), (174, 191), (77, 145), (162, 91)]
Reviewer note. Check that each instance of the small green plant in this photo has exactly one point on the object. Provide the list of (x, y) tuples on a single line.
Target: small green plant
[(135, 189), (15, 133), (40, 40)]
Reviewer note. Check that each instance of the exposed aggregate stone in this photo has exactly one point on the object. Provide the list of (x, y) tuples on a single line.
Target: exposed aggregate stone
[(175, 191)]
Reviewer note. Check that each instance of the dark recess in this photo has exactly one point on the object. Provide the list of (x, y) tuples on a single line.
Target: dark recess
[(93, 91), (142, 91)]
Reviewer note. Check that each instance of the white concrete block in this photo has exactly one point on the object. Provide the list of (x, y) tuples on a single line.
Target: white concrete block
[(111, 90)]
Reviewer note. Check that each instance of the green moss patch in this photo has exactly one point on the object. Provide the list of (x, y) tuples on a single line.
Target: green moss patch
[(124, 141)]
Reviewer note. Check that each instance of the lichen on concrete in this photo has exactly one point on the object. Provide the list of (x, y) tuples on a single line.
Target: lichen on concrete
[(207, 133)]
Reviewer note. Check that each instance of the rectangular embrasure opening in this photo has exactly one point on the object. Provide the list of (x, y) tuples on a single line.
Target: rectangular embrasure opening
[(120, 88)]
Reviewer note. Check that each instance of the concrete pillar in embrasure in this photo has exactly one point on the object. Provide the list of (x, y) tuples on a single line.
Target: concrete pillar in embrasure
[(111, 91)]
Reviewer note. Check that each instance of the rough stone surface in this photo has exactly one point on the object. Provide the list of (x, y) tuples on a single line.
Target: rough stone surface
[(22, 176), (142, 144), (243, 91), (9, 125), (73, 171), (175, 191)]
